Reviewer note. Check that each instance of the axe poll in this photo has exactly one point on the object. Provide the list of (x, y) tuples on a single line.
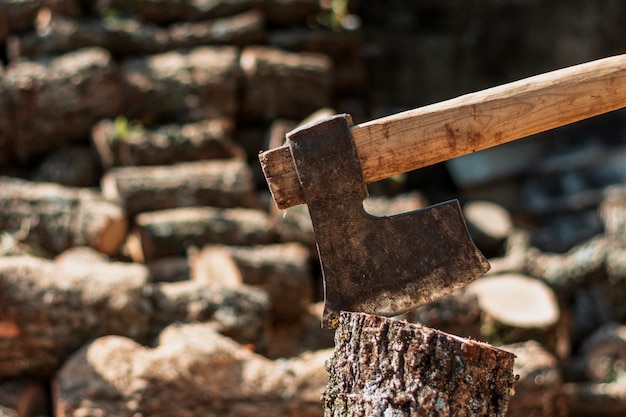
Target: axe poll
[(328, 164)]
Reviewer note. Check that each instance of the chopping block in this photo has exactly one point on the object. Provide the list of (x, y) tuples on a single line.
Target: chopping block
[(389, 265)]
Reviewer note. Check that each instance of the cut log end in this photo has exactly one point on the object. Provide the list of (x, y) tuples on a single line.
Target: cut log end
[(383, 366)]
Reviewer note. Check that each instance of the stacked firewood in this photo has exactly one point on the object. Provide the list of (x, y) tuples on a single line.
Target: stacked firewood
[(143, 267)]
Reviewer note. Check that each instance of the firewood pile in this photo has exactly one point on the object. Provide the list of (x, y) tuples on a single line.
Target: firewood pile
[(144, 269)]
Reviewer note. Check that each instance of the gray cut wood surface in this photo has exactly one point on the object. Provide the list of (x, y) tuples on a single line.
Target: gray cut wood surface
[(387, 367)]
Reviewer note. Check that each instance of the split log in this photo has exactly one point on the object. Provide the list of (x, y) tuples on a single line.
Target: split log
[(247, 28), (182, 86), (193, 371), (214, 264), (539, 390), (489, 225), (516, 250), (57, 100), (21, 397), (336, 44), (218, 183), (240, 313), (294, 225), (120, 143), (284, 84), (589, 399), (55, 218), (76, 166), (48, 311), (567, 272), (518, 308), (123, 37), (80, 254), (56, 34), (283, 270), (169, 11), (604, 353), (383, 366), (170, 232)]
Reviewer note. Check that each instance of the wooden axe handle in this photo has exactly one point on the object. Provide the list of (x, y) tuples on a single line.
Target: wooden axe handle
[(427, 135)]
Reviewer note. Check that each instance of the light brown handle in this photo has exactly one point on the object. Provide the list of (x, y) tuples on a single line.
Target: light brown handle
[(473, 122)]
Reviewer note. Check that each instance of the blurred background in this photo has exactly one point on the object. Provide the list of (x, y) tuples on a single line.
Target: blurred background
[(134, 216)]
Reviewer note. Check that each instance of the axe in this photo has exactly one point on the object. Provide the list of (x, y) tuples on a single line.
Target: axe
[(390, 265)]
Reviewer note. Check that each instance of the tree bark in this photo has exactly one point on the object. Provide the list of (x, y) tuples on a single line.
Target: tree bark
[(386, 367), (169, 11), (171, 232), (182, 86), (218, 183), (48, 311), (54, 218), (57, 100), (57, 34), (120, 143), (240, 313), (284, 84)]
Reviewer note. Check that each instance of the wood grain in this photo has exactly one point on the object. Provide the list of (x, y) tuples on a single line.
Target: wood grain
[(425, 136)]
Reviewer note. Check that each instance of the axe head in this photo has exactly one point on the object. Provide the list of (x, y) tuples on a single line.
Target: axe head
[(377, 265)]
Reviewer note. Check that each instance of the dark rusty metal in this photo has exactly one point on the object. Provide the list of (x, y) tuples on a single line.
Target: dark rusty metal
[(378, 265)]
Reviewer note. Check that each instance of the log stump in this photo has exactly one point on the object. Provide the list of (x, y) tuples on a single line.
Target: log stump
[(517, 308), (388, 367)]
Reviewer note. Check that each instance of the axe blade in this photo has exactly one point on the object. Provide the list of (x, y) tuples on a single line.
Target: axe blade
[(378, 265)]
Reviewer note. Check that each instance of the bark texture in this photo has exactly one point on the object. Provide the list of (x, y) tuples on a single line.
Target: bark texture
[(54, 218), (270, 73), (57, 100), (121, 143), (184, 86), (219, 183), (48, 311), (394, 368), (57, 34), (171, 232)]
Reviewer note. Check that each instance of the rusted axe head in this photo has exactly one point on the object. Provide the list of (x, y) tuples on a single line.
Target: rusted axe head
[(379, 265)]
